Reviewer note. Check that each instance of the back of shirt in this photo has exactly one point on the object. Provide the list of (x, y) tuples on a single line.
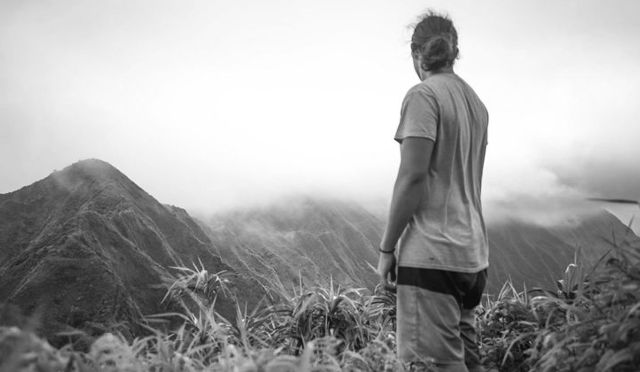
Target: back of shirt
[(447, 232)]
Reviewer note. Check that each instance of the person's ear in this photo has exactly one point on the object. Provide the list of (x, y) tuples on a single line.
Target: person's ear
[(417, 64)]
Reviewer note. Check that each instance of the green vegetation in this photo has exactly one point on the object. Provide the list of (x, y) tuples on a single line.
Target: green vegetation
[(591, 322)]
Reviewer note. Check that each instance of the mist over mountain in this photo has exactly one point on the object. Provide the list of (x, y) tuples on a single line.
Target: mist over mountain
[(90, 248), (322, 239), (300, 239), (535, 255)]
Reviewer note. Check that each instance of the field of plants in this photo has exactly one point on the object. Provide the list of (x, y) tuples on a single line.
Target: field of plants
[(590, 322)]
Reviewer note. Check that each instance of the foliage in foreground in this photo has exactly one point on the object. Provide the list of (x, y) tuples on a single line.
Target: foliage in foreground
[(590, 323), (319, 329)]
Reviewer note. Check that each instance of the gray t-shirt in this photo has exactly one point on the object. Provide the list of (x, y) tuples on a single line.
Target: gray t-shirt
[(447, 232)]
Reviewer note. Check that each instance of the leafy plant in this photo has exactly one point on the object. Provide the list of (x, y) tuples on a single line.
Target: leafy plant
[(197, 280)]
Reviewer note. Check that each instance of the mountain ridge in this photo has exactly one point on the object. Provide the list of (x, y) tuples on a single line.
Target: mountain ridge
[(529, 254), (92, 247), (306, 239)]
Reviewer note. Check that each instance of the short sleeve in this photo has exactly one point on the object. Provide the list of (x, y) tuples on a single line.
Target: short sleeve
[(419, 116)]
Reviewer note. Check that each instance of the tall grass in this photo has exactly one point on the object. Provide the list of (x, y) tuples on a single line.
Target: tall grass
[(590, 322)]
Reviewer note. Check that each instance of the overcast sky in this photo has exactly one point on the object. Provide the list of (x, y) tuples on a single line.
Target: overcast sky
[(213, 104)]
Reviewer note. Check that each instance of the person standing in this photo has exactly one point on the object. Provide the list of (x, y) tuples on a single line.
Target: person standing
[(435, 217)]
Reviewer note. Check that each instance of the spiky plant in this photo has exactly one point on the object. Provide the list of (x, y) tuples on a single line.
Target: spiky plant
[(332, 311), (197, 280)]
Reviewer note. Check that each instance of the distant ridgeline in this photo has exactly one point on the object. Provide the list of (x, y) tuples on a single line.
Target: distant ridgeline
[(92, 248), (316, 240)]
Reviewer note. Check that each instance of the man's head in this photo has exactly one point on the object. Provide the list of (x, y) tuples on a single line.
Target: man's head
[(434, 44)]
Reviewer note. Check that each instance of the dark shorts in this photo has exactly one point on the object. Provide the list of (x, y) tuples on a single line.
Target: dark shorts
[(435, 316)]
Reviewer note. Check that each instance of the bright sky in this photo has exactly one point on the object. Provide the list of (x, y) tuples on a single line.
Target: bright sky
[(213, 104)]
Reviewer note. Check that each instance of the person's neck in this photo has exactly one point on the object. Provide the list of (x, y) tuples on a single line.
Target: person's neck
[(443, 70)]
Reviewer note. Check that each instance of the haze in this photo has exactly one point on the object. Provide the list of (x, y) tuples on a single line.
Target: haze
[(213, 104)]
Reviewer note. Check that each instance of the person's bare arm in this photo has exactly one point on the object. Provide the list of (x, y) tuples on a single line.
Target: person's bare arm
[(415, 156)]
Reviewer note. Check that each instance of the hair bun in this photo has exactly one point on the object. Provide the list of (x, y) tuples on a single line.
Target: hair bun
[(438, 52), (435, 39)]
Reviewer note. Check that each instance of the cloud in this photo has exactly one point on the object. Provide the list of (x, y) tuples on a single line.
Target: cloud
[(206, 113), (544, 211), (604, 178)]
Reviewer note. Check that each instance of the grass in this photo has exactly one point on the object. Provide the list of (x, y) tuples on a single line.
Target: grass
[(590, 322)]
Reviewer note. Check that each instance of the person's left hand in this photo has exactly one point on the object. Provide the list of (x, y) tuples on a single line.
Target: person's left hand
[(387, 271)]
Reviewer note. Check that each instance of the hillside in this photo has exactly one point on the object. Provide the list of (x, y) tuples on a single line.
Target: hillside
[(317, 239), (302, 238), (536, 256), (89, 248)]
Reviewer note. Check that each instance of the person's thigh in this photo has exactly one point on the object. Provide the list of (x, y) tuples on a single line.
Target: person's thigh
[(469, 337), (428, 328), (468, 332), (472, 294)]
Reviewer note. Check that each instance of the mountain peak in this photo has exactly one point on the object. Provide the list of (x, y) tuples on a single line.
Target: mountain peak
[(91, 247), (93, 174), (94, 169), (89, 174), (92, 164)]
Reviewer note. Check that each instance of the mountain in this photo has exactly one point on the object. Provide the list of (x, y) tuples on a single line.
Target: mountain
[(89, 248), (317, 240), (313, 240), (537, 255)]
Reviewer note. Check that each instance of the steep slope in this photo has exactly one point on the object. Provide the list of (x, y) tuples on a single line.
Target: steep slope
[(536, 256), (89, 247), (321, 239), (300, 239)]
